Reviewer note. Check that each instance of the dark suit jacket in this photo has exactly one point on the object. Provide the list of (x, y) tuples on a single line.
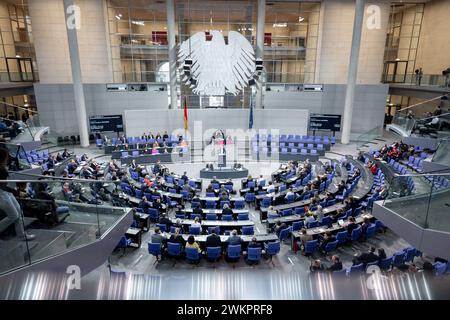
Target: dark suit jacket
[(367, 257), (213, 240), (227, 211), (179, 239), (335, 266)]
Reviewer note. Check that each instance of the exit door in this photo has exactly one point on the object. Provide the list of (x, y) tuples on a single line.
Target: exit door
[(395, 71)]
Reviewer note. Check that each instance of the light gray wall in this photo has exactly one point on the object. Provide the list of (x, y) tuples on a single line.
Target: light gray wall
[(368, 113), (57, 109), (200, 120)]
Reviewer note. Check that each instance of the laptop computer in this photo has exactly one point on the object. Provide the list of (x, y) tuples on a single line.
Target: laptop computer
[(341, 222)]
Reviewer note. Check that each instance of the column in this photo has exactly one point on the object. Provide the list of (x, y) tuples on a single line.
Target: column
[(260, 44), (352, 71), (71, 15), (172, 53)]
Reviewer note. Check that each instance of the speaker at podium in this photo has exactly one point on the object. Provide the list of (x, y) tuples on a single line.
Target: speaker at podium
[(222, 161)]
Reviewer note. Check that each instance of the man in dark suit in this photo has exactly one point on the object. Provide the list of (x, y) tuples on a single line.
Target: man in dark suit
[(185, 177), (213, 240), (327, 239), (226, 210), (351, 225), (164, 220), (367, 257), (337, 264), (198, 210)]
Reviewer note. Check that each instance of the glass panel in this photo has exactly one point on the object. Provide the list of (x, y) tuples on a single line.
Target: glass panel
[(45, 217)]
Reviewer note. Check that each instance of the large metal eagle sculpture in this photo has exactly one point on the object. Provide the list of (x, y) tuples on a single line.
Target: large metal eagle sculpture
[(218, 67)]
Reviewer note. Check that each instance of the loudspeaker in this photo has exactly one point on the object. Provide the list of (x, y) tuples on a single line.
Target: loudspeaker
[(258, 62), (188, 61), (187, 73), (186, 67), (251, 82)]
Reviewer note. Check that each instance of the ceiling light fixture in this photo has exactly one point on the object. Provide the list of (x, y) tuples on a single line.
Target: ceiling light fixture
[(300, 19), (139, 23)]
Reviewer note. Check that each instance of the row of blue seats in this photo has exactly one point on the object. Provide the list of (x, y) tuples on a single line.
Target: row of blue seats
[(342, 237), (295, 138), (197, 230), (214, 253), (397, 259), (135, 153), (265, 151), (402, 169), (438, 182), (35, 157)]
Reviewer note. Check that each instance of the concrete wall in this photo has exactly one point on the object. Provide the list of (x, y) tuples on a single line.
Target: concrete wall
[(368, 113), (433, 54), (200, 120), (52, 48), (57, 107), (335, 43)]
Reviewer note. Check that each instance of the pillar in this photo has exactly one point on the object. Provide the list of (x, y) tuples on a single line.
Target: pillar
[(261, 18), (172, 53), (352, 71), (80, 106)]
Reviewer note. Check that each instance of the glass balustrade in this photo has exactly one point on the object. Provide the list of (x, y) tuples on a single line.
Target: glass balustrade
[(422, 199), (43, 218)]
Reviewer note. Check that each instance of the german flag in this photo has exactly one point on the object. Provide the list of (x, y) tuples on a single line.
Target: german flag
[(185, 114)]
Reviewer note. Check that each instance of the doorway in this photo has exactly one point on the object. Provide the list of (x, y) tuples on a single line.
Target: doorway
[(20, 69), (395, 71)]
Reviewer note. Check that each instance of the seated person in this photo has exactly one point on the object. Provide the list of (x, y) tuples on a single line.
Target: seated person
[(191, 243), (304, 238), (144, 204), (226, 210), (234, 238), (336, 264), (157, 237), (177, 238), (351, 225), (290, 193), (253, 244), (278, 227), (316, 266), (11, 210), (210, 188), (366, 257), (224, 196), (222, 189), (165, 220), (213, 240), (196, 222), (198, 210), (329, 237), (366, 223)]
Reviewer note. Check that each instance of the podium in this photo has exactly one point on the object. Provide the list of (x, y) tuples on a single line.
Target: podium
[(222, 161)]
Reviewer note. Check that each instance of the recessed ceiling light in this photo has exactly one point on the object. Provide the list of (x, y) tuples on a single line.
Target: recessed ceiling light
[(300, 19), (17, 56)]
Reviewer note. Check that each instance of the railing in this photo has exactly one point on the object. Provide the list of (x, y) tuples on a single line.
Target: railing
[(368, 136), (423, 199), (54, 216), (442, 154), (19, 76), (411, 79)]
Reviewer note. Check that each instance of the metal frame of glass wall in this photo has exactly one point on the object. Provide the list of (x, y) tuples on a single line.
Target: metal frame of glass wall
[(138, 37), (402, 41)]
